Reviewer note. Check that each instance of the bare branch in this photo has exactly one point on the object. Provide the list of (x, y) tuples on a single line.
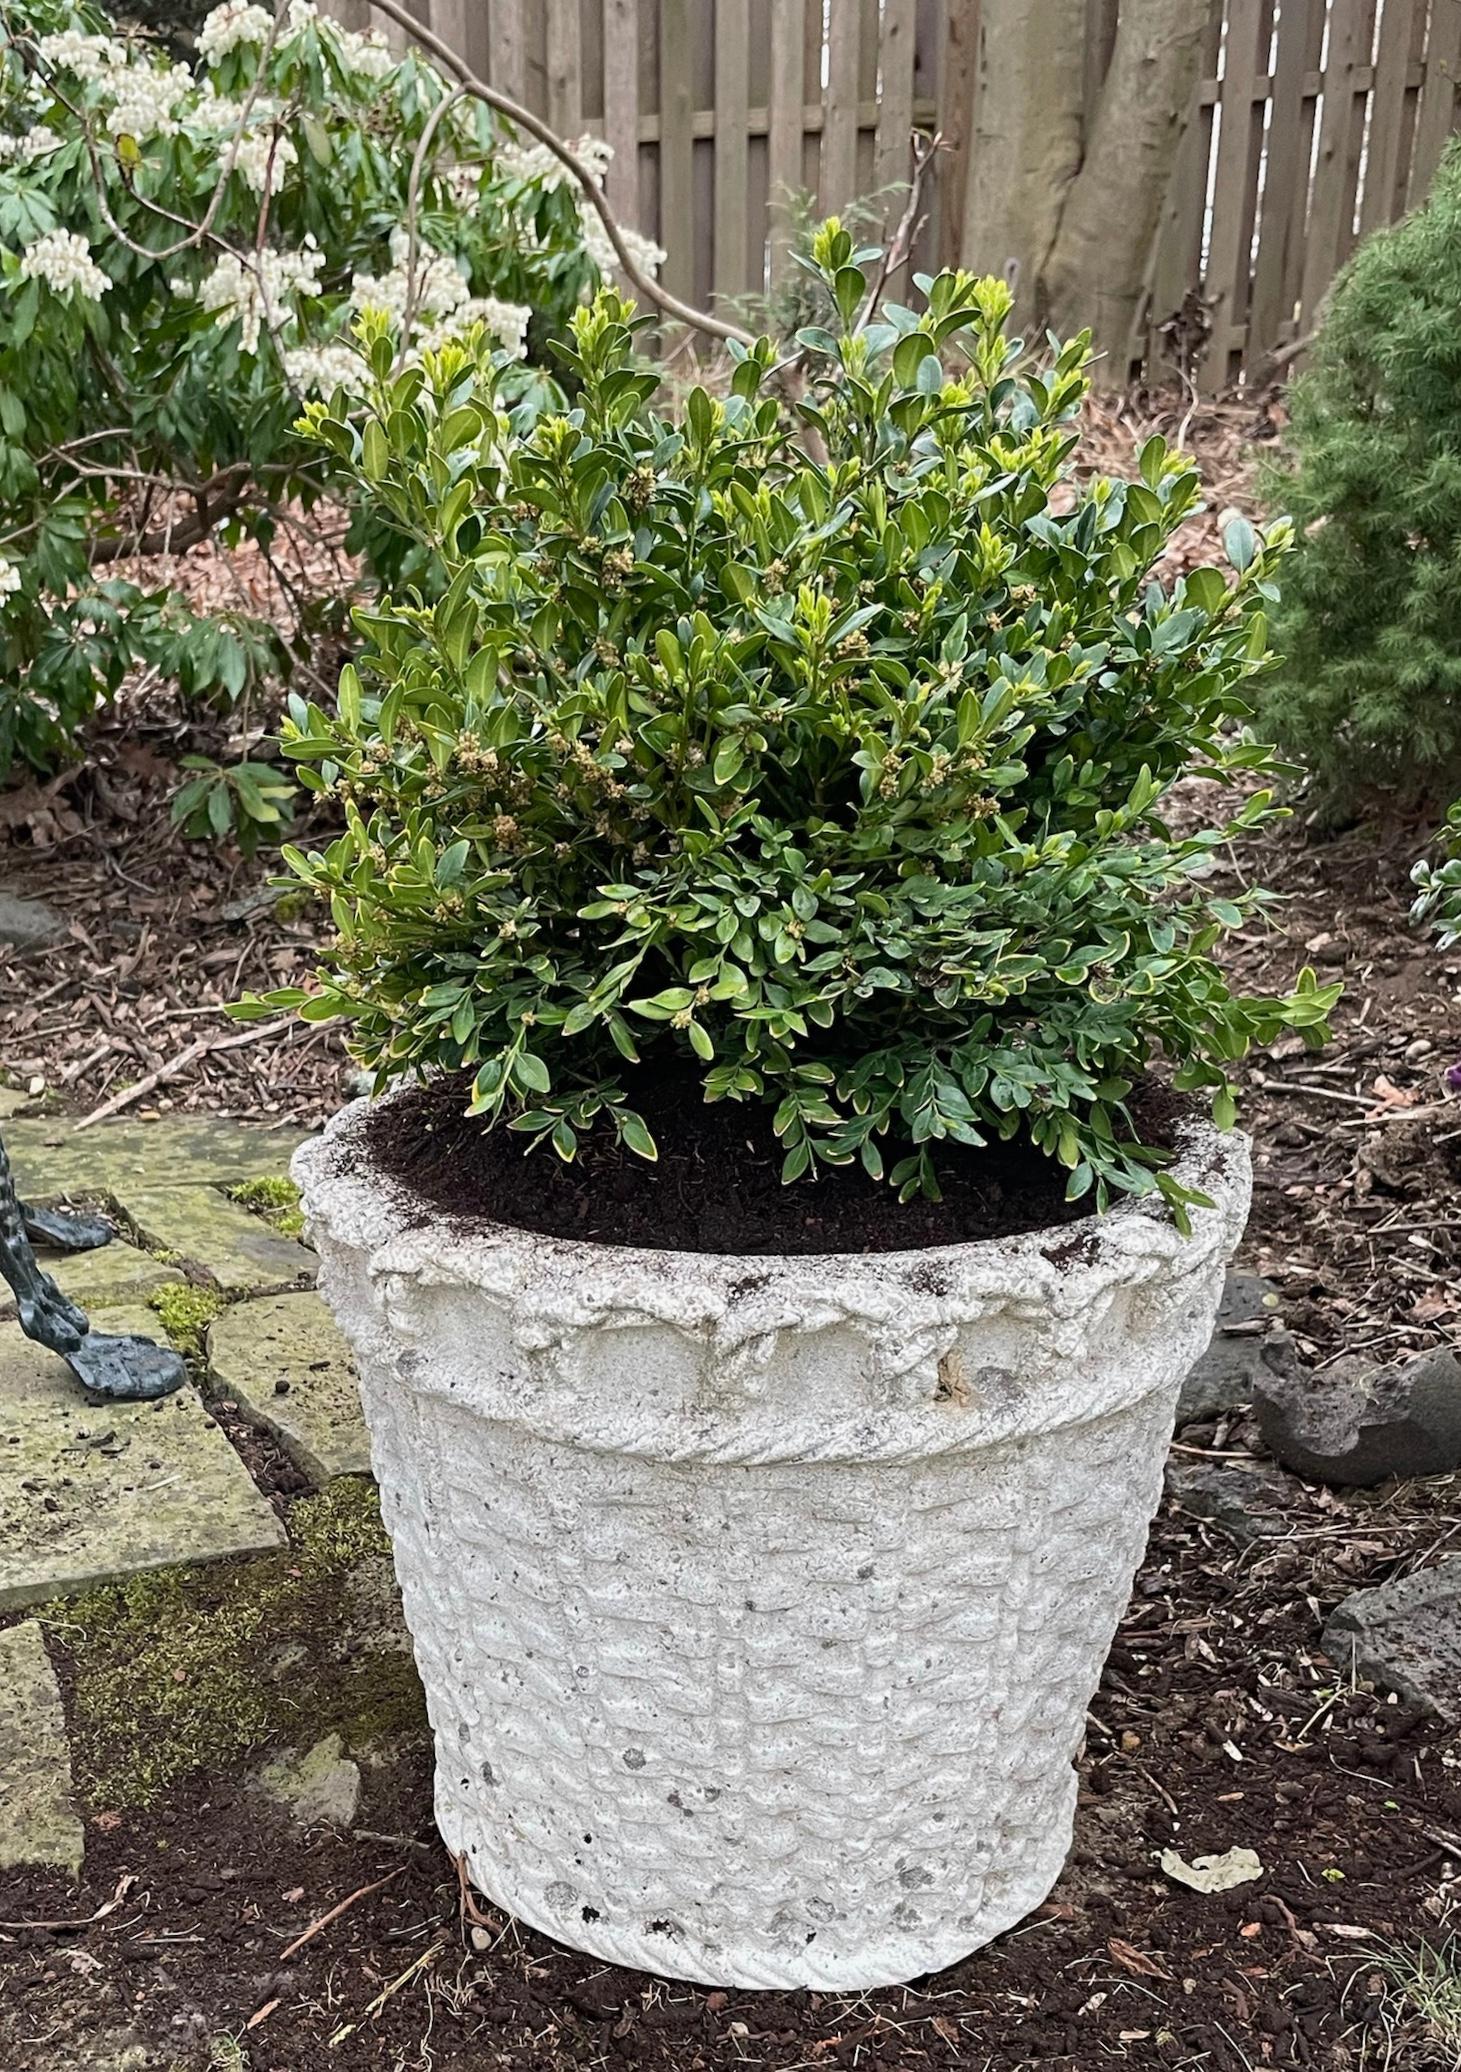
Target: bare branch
[(525, 119)]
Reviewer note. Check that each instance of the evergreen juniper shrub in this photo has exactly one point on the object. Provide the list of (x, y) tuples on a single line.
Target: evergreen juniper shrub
[(1369, 691), (838, 778)]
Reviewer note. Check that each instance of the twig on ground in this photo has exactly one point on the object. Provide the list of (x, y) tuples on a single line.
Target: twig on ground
[(317, 1927), (180, 1063)]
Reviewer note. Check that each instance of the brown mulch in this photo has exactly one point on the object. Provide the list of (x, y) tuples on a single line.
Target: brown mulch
[(1218, 1724)]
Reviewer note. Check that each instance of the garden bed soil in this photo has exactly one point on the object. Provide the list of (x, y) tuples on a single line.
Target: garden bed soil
[(716, 1185), (1218, 1725)]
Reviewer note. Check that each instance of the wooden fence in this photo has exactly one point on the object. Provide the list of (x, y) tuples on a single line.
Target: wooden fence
[(1314, 121)]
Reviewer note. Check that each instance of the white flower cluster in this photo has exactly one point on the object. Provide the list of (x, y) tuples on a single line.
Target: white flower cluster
[(84, 57), (235, 22), (647, 255), (264, 157), (145, 100), (439, 291), (369, 55), (9, 578), (537, 162), (318, 370), (36, 143), (62, 259), (256, 293)]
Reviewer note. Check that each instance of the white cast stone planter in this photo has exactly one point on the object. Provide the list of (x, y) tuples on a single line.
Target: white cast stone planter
[(759, 1601)]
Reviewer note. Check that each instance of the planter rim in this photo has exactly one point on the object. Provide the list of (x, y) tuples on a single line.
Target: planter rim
[(1210, 1160), (837, 1356)]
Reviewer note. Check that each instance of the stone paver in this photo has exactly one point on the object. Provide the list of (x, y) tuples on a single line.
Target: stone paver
[(238, 1250), (52, 1158), (90, 1493), (38, 1820), (112, 1274), (286, 1365)]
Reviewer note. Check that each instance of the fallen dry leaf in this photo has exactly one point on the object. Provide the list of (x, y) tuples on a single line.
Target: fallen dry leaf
[(1212, 1873), (1136, 1961)]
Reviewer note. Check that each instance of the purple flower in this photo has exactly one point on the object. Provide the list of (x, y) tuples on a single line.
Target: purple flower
[(1453, 1077)]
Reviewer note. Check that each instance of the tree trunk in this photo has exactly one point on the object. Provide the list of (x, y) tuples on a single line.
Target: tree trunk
[(1100, 244), (1027, 127)]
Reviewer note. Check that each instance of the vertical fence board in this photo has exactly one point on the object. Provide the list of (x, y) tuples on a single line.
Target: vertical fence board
[(1269, 318), (621, 104), (866, 178), (1227, 294), (1359, 124), (676, 147), (813, 105), (510, 48), (895, 98), (1387, 104), (839, 131), (563, 46), (958, 78), (1301, 193), (732, 148), (784, 139), (1328, 231), (448, 20), (1437, 116)]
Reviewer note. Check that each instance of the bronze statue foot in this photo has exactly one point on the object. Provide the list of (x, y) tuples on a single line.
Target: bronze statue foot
[(46, 1315), (124, 1369), (65, 1230)]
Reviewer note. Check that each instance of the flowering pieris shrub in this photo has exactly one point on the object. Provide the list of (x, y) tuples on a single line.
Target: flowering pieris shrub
[(836, 776), (185, 250)]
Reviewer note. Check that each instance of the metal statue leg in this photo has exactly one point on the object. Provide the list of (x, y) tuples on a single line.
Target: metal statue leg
[(45, 1314), (125, 1368)]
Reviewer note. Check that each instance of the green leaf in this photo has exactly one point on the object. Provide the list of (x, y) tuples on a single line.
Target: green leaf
[(1240, 543), (636, 1136)]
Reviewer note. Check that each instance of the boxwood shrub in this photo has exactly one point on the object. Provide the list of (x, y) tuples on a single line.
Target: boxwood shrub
[(824, 747)]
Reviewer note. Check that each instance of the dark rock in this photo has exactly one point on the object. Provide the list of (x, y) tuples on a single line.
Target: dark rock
[(28, 923), (1355, 1423), (1245, 1503), (1406, 1637), (1224, 1377)]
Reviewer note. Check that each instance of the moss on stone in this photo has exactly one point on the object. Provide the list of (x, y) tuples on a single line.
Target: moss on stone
[(275, 1199), (186, 1312), (190, 1668)]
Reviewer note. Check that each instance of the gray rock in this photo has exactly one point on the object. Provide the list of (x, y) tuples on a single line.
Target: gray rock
[(29, 923), (319, 1787), (1405, 1636), (1246, 1503), (1355, 1423), (1225, 1375)]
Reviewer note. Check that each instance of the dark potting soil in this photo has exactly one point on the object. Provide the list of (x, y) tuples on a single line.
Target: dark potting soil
[(716, 1185)]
